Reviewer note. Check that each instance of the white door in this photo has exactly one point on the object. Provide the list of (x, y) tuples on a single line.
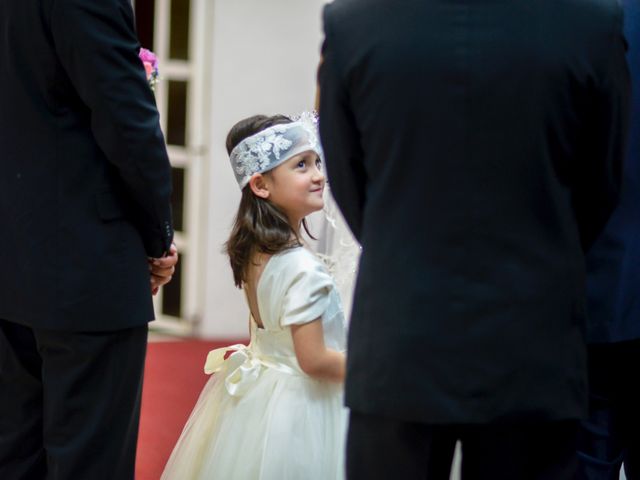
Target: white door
[(176, 30)]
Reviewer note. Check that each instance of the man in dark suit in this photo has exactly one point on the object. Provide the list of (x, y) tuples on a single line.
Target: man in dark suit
[(84, 201), (475, 149), (611, 435)]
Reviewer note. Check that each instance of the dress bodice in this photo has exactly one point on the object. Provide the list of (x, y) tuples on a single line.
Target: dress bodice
[(295, 288)]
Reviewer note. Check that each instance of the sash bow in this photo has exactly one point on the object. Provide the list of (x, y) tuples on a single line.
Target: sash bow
[(242, 367)]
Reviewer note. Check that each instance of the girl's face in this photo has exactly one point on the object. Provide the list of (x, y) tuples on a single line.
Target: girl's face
[(296, 186)]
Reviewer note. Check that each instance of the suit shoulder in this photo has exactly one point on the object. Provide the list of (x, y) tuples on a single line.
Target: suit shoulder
[(340, 11), (596, 26), (602, 7), (598, 14), (346, 7)]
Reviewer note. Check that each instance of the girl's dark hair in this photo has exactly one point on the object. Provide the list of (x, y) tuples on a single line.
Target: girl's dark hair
[(259, 226)]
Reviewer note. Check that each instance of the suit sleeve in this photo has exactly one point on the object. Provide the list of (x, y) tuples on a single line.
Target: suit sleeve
[(599, 179), (340, 136), (98, 48)]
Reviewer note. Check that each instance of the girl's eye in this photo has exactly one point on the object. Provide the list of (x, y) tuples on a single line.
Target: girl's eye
[(319, 164), (302, 164)]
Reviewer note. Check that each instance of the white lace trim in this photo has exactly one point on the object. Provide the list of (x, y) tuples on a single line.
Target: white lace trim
[(269, 148)]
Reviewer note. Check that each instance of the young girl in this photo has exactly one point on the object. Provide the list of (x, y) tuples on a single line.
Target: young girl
[(273, 410)]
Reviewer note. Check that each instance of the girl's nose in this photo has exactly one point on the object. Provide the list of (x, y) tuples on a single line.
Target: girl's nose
[(318, 175)]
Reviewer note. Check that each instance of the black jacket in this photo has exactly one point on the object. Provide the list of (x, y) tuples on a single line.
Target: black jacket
[(85, 179), (613, 264), (475, 150)]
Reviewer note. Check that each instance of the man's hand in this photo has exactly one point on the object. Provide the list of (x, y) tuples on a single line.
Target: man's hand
[(162, 269)]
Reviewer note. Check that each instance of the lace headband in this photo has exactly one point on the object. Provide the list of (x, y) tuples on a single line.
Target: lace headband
[(273, 146)]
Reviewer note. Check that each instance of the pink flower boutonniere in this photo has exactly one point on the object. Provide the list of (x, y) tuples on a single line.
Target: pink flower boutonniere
[(150, 62)]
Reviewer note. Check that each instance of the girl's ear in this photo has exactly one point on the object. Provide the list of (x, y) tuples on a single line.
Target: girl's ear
[(258, 186)]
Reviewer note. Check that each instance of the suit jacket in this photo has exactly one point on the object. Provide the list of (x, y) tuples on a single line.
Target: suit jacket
[(613, 264), (86, 181), (475, 149)]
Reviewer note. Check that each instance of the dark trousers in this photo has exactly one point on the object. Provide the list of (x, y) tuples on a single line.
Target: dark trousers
[(611, 434), (69, 403), (380, 449)]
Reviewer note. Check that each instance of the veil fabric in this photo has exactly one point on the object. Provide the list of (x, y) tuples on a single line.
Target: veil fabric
[(339, 250)]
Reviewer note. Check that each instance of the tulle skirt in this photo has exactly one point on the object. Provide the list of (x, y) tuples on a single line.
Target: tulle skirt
[(284, 427)]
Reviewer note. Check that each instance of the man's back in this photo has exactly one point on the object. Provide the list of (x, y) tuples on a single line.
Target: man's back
[(486, 151), (612, 264), (84, 199), (85, 181)]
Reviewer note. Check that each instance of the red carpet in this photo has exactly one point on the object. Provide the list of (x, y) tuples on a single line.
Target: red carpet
[(173, 379)]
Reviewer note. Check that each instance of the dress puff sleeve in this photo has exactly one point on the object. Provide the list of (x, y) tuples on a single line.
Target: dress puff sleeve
[(307, 295)]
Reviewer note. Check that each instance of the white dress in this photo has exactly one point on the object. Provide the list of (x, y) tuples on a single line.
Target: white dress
[(260, 416)]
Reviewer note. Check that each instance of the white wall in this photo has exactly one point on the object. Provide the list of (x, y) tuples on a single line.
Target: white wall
[(264, 56)]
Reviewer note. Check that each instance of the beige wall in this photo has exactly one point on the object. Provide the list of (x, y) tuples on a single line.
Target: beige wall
[(263, 55)]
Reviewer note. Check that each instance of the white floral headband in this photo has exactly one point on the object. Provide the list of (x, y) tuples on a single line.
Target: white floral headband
[(272, 146)]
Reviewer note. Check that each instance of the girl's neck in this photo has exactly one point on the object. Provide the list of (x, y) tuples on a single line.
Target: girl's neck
[(296, 225)]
